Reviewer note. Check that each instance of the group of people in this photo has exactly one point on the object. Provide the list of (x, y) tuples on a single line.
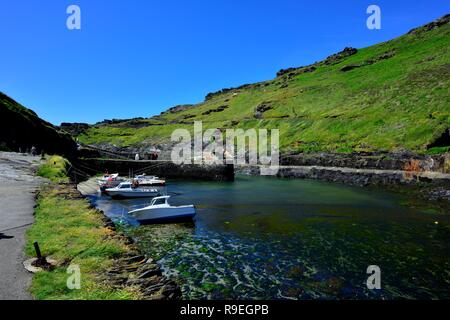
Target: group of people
[(32, 151), (152, 156)]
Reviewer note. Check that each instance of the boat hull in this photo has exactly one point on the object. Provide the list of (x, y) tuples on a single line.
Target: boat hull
[(151, 184), (186, 218), (160, 215), (103, 187), (132, 194)]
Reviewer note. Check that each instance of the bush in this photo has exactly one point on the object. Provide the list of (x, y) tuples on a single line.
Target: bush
[(55, 169)]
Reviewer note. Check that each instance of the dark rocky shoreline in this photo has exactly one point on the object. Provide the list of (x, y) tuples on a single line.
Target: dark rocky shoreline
[(424, 187), (138, 270), (372, 160)]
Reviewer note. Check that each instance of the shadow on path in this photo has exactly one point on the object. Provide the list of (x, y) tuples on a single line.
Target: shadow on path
[(4, 236)]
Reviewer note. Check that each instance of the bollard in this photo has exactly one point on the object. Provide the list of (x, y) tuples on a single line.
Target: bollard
[(41, 261), (38, 250)]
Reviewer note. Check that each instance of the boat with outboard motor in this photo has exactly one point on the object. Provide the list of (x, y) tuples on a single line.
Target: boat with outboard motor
[(127, 190), (160, 210), (145, 180)]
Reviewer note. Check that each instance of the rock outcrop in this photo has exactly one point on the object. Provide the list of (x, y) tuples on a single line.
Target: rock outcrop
[(432, 25), (330, 60), (376, 161), (75, 129)]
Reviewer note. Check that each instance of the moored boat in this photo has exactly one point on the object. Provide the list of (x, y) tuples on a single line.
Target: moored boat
[(145, 180), (160, 210), (126, 190), (109, 181), (107, 177)]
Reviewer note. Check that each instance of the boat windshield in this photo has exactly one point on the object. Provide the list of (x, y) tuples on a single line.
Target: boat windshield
[(125, 186), (147, 177), (156, 202)]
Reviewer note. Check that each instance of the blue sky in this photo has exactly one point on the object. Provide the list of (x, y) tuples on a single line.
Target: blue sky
[(139, 57)]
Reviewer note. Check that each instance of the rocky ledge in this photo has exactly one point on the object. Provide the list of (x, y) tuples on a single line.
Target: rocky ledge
[(140, 271), (371, 160), (144, 273)]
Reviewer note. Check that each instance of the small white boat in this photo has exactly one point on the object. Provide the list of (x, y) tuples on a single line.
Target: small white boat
[(145, 180), (107, 177), (126, 190), (109, 181), (160, 210)]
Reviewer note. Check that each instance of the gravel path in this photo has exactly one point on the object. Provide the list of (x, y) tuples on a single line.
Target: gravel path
[(17, 188)]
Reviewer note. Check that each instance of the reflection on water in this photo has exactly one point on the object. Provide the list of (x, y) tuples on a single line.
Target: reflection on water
[(295, 239)]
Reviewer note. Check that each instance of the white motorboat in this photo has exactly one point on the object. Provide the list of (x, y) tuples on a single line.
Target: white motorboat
[(145, 180), (160, 210), (109, 181), (126, 190)]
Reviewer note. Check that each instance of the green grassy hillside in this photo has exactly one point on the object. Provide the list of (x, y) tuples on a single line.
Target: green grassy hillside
[(392, 96)]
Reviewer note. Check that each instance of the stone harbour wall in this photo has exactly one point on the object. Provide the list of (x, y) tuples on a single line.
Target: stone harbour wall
[(161, 168)]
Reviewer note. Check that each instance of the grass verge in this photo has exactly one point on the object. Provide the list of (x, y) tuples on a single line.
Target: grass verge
[(71, 232)]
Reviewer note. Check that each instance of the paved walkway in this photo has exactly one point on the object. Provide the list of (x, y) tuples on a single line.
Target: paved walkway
[(17, 187)]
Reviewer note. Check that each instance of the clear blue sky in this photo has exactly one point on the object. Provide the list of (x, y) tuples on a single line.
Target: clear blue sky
[(139, 57)]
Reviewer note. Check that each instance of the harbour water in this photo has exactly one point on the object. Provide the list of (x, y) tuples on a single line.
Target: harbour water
[(267, 238)]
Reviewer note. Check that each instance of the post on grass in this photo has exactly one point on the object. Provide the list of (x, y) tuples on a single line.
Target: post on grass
[(38, 250)]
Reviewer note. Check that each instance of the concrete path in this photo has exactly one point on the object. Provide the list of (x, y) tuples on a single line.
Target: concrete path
[(88, 187), (17, 187)]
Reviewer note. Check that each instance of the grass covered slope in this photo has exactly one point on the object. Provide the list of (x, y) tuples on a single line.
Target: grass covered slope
[(73, 233), (22, 128), (392, 96)]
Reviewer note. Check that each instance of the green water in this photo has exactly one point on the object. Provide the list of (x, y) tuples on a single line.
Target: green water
[(269, 238)]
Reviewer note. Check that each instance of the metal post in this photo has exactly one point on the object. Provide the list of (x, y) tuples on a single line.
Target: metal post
[(38, 251)]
